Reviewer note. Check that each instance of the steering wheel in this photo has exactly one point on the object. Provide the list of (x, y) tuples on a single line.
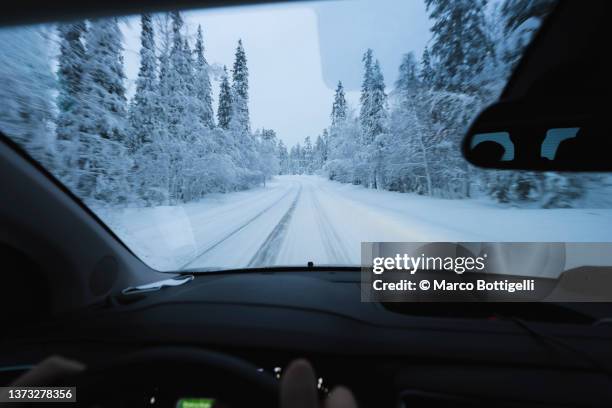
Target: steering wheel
[(170, 373)]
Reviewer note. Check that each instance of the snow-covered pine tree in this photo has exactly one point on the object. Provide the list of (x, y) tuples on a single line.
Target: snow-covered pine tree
[(194, 104), (378, 114), (154, 173), (299, 159), (460, 43), (320, 153), (269, 159), (240, 128), (408, 82), (344, 150), (240, 91), (373, 99), (203, 88), (70, 111), (339, 106), (105, 100), (164, 30), (379, 127), (325, 139), (460, 50), (103, 158), (176, 84), (224, 111), (26, 91), (189, 67), (68, 123), (365, 98), (426, 73), (307, 156), (283, 158), (410, 164), (343, 139), (70, 78), (296, 159), (176, 78), (333, 138), (194, 136), (373, 117), (144, 111)]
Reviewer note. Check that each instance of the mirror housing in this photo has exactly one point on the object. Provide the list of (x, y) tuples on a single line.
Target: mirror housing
[(544, 136)]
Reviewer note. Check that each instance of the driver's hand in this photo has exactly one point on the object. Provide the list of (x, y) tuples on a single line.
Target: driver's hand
[(49, 371), (298, 389)]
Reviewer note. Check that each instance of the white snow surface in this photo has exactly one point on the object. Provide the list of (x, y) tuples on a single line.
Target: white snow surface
[(296, 219)]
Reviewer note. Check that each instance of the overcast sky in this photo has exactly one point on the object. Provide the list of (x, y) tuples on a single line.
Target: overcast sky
[(297, 52)]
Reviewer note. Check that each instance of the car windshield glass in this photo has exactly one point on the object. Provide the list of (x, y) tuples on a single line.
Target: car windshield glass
[(280, 134)]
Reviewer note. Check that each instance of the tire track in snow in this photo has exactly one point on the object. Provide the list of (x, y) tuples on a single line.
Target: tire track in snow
[(235, 231), (231, 208), (268, 251), (333, 243)]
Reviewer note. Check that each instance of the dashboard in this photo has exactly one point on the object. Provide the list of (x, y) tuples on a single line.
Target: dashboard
[(410, 354)]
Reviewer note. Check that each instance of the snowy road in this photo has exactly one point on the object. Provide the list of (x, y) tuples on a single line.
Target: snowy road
[(296, 219), (293, 228)]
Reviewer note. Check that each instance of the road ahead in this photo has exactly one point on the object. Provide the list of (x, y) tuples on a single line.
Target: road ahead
[(294, 223), (296, 219)]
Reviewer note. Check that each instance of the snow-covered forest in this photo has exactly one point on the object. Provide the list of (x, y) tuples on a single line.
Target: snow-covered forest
[(162, 146), (408, 139), (175, 142)]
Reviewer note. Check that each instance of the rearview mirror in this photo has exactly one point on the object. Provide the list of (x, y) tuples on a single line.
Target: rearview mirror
[(549, 136)]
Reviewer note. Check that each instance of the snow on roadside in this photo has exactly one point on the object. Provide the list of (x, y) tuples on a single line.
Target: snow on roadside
[(481, 219), (166, 237)]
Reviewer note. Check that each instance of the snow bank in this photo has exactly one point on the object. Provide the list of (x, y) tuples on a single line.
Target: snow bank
[(329, 221)]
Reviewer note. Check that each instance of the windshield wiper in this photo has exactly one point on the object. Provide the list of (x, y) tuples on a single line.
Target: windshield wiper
[(273, 269), (154, 286)]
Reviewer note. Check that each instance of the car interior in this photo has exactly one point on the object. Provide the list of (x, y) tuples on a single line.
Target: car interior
[(70, 287)]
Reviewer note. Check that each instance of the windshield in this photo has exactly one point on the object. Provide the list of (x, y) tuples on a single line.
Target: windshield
[(287, 133)]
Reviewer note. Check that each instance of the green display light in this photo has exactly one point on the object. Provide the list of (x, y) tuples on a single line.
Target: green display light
[(195, 403)]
